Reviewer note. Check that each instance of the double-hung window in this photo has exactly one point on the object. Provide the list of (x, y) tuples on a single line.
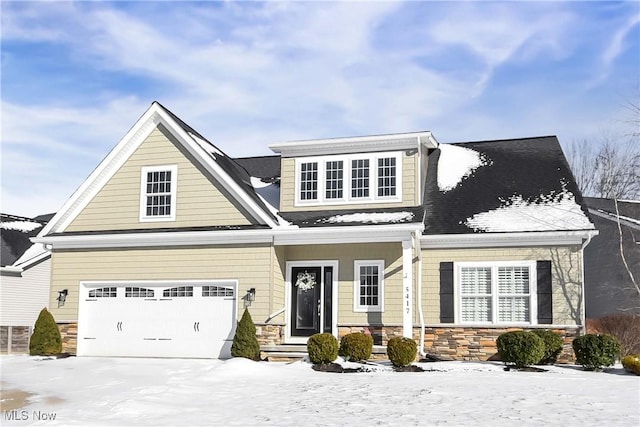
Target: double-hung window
[(349, 178), (496, 292), (368, 286), (158, 193)]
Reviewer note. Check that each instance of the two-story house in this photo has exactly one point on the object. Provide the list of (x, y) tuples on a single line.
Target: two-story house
[(160, 250)]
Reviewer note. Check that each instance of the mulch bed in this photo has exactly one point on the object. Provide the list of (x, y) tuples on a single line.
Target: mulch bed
[(525, 369)]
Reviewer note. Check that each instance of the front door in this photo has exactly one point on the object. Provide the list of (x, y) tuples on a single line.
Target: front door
[(306, 286)]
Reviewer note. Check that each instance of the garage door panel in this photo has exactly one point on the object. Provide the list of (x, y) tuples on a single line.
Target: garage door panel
[(159, 321)]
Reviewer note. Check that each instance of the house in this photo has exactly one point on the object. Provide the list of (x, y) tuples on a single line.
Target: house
[(608, 286), (25, 271), (169, 239)]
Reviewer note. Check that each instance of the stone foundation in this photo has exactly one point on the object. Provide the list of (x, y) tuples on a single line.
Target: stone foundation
[(15, 339), (270, 335), (69, 334), (480, 343)]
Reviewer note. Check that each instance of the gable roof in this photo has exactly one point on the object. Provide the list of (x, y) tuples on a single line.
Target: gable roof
[(215, 162), (15, 244), (628, 211), (513, 185)]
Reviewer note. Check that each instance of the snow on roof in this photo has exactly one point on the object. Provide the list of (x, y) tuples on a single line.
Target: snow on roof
[(24, 226), (456, 163), (206, 145), (36, 251), (550, 213), (622, 217), (369, 218)]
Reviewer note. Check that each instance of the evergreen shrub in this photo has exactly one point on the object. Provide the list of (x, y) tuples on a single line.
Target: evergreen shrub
[(322, 348), (356, 346), (245, 342), (631, 363), (46, 339), (520, 348), (402, 351), (552, 346), (594, 351)]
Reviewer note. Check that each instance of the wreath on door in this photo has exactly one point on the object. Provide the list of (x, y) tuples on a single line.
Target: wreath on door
[(305, 281)]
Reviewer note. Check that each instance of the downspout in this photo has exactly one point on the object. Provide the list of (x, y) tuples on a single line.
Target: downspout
[(419, 282), (583, 315)]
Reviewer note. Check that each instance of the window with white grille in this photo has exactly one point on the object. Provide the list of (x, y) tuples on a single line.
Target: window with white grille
[(334, 179), (158, 193), (309, 181), (496, 292), (216, 291), (369, 285), (180, 291), (103, 293), (136, 292), (360, 178), (386, 176)]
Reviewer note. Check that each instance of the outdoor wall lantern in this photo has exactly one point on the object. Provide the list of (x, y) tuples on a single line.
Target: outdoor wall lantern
[(250, 297), (62, 297)]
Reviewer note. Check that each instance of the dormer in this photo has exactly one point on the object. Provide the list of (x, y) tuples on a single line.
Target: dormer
[(357, 172)]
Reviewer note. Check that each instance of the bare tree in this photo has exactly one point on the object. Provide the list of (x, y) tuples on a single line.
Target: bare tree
[(607, 168)]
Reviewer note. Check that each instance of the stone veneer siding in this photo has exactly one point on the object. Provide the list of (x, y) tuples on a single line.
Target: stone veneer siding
[(69, 334), (14, 339)]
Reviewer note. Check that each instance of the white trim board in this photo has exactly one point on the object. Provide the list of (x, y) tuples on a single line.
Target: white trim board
[(490, 240)]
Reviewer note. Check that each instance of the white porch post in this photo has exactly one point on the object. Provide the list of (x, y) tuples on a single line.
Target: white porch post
[(407, 294)]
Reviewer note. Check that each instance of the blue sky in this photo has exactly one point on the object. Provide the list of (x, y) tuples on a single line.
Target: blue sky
[(77, 75)]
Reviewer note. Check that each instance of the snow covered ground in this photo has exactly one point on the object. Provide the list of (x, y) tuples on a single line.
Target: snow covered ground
[(112, 391)]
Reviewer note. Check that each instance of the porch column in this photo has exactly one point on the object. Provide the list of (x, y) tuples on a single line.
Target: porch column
[(407, 294)]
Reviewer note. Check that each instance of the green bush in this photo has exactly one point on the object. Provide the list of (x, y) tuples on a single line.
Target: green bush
[(356, 346), (46, 339), (520, 348), (322, 348), (245, 343), (552, 346), (631, 363), (593, 351), (402, 351)]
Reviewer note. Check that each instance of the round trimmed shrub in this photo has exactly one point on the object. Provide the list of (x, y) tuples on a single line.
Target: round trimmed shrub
[(552, 346), (46, 339), (322, 348), (631, 363), (520, 348), (356, 346), (402, 351), (245, 343), (594, 351)]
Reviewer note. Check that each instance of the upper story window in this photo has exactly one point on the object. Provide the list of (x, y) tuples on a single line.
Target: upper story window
[(342, 179), (496, 292), (158, 193)]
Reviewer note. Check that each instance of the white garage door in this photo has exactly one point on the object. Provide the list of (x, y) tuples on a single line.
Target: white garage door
[(157, 319)]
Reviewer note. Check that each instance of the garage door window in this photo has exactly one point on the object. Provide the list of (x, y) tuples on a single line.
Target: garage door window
[(180, 291), (103, 293), (216, 291), (135, 292)]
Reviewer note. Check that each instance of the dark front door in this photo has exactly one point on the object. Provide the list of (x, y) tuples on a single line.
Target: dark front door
[(306, 284)]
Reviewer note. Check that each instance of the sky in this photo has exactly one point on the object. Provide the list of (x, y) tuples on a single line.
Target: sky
[(76, 76)]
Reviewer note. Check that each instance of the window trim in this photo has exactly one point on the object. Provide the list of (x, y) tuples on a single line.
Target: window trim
[(494, 265), (143, 193), (347, 198), (357, 307)]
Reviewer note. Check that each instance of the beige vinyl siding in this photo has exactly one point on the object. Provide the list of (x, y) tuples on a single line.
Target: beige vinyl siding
[(346, 254), (566, 276), (249, 264), (410, 188), (200, 202), (22, 297)]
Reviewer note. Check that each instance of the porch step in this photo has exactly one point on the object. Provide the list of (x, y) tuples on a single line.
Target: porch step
[(291, 352)]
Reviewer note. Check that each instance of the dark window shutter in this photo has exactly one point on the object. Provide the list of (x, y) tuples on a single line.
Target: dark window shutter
[(545, 306), (446, 292)]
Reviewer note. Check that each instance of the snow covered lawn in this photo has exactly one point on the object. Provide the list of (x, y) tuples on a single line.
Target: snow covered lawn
[(110, 391)]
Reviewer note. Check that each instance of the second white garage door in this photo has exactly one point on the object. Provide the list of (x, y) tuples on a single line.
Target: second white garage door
[(157, 319)]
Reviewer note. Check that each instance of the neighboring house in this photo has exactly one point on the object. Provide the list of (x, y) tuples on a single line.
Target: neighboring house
[(25, 273), (608, 285), (167, 241)]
